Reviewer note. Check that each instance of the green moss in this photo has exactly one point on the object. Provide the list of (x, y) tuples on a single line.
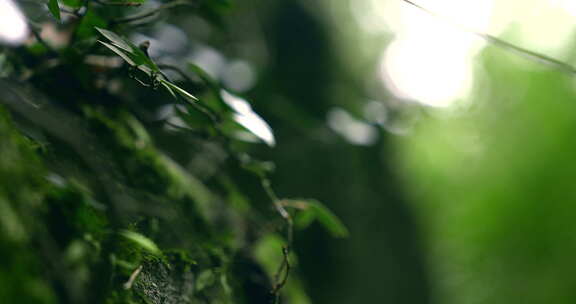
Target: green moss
[(20, 198)]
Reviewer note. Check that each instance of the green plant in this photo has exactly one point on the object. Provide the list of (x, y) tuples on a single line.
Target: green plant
[(124, 179)]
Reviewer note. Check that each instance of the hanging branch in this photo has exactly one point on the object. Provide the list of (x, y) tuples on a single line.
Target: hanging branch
[(560, 65)]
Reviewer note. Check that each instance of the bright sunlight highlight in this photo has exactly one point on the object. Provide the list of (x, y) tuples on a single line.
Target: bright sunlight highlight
[(246, 117), (13, 28), (430, 59)]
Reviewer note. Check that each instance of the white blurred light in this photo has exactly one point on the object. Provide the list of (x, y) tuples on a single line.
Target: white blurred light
[(246, 117), (172, 39), (209, 60), (13, 27), (239, 76), (353, 130), (430, 74), (430, 60), (375, 112), (169, 114), (568, 5)]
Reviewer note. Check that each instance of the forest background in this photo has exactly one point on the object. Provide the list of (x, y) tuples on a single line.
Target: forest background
[(219, 151)]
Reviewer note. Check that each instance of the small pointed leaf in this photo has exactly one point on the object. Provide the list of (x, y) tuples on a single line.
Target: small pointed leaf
[(310, 209), (179, 90), (115, 39), (54, 9), (135, 53), (304, 218), (328, 219), (168, 88), (142, 241), (119, 52)]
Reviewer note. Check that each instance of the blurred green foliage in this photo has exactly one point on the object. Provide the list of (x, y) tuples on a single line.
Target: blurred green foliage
[(179, 151), (129, 173), (494, 186)]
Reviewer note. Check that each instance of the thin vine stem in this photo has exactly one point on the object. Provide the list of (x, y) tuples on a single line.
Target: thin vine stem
[(144, 15), (283, 272)]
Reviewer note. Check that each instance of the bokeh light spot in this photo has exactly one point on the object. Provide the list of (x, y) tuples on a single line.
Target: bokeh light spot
[(13, 27)]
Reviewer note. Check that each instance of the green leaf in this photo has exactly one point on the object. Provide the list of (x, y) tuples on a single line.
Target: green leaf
[(118, 52), (142, 241), (268, 252), (304, 218), (329, 220), (179, 90), (138, 56), (169, 89), (134, 56), (312, 209), (115, 39), (54, 9)]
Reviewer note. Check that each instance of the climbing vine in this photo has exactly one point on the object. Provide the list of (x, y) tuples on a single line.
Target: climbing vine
[(127, 177)]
